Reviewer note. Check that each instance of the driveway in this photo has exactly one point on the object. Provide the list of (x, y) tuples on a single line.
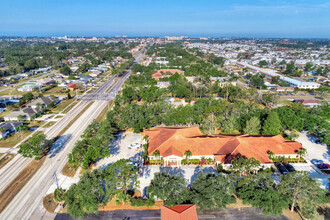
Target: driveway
[(314, 150), (119, 150)]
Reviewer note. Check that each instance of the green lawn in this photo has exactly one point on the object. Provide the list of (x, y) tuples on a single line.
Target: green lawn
[(62, 105), (14, 139), (284, 102)]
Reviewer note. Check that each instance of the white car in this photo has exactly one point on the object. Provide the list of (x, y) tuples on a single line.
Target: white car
[(135, 146)]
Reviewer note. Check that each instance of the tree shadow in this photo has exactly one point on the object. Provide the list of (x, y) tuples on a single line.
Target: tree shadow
[(201, 169), (173, 171), (59, 145)]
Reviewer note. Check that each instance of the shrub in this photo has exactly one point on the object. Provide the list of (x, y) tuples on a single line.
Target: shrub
[(142, 202)]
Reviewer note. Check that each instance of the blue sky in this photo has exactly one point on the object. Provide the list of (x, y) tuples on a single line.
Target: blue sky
[(221, 18)]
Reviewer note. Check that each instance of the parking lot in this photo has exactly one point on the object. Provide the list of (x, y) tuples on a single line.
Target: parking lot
[(314, 150), (119, 149)]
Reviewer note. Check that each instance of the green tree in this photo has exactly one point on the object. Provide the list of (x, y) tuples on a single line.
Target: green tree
[(156, 154), (302, 152), (302, 191), (261, 192), (87, 195), (21, 117), (59, 195), (65, 70), (263, 63), (272, 124), (170, 188), (122, 175), (275, 80), (34, 147), (270, 99), (209, 191), (252, 126), (243, 165), (188, 154)]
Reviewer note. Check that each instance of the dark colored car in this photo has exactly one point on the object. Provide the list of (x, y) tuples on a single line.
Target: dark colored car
[(323, 166), (282, 169), (289, 167)]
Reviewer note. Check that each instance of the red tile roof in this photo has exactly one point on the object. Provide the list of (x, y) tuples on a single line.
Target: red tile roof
[(176, 141), (179, 212), (302, 101), (160, 72)]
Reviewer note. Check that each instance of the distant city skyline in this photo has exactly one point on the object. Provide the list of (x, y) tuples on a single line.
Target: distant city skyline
[(194, 18)]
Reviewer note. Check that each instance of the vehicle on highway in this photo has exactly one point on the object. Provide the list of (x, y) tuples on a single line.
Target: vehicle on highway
[(282, 168), (289, 167), (134, 146), (316, 161), (323, 166)]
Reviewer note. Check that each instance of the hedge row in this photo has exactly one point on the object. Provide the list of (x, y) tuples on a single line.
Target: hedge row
[(142, 202)]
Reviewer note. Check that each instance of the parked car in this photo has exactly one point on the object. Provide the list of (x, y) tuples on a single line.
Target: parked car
[(134, 146), (323, 166), (289, 167), (316, 161), (282, 168)]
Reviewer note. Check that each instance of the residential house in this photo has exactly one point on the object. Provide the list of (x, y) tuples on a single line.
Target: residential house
[(8, 128), (27, 113), (29, 87), (43, 101), (45, 81), (172, 143), (308, 103), (179, 212)]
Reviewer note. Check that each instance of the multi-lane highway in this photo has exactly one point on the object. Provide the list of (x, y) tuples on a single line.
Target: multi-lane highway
[(27, 204)]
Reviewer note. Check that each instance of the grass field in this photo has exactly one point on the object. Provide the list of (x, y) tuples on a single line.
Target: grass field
[(14, 139), (49, 124), (6, 159), (103, 114), (62, 105), (55, 91)]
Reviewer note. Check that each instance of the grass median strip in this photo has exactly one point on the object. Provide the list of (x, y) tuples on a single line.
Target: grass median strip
[(103, 114), (75, 119), (15, 186), (6, 159)]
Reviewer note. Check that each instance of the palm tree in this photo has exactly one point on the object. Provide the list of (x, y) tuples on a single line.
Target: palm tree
[(20, 117), (39, 105), (156, 154), (301, 152), (271, 154), (188, 154)]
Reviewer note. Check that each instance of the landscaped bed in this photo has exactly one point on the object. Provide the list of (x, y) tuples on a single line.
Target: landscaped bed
[(49, 203), (68, 170)]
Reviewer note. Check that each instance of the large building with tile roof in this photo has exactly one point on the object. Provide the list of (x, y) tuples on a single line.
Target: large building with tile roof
[(172, 143)]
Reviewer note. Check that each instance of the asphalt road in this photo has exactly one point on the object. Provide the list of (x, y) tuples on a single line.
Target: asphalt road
[(27, 204)]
